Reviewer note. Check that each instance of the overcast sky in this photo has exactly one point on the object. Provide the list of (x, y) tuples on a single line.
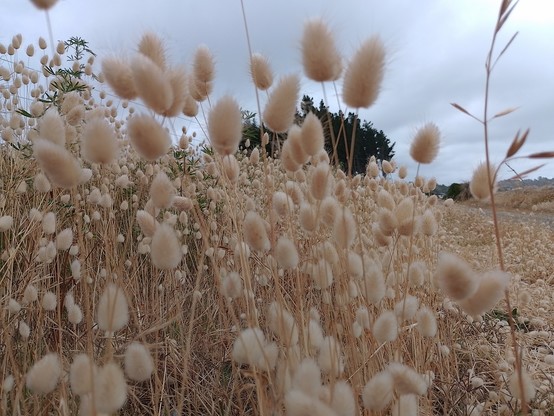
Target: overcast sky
[(436, 54)]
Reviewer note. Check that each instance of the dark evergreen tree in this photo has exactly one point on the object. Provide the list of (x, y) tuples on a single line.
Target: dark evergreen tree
[(338, 129)]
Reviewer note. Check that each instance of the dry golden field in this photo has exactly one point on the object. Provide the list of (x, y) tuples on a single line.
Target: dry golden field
[(143, 276)]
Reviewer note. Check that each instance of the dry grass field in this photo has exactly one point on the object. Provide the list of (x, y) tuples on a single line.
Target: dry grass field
[(140, 276)]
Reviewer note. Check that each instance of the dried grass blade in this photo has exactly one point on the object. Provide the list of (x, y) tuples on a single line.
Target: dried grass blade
[(505, 16), (463, 110), (517, 143), (505, 112), (541, 155), (527, 172), (506, 47)]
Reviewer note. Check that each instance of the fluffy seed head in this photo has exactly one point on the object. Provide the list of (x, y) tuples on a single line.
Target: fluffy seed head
[(307, 217), (426, 322), (43, 376), (406, 308), (385, 327), (231, 285), (119, 76), (344, 229), (162, 191), (64, 239), (320, 56), (113, 312), (455, 277), (343, 401), (261, 73), (378, 392), (301, 404), (429, 225), (479, 185), (329, 358), (255, 233), (6, 223), (138, 362), (225, 126), (41, 183), (230, 168), (364, 74), (279, 111), (248, 347), (190, 106), (151, 84), (307, 377), (98, 142), (110, 388), (151, 46), (49, 301), (407, 380), (529, 389), (285, 253), (178, 81), (425, 145), (165, 249), (319, 185), (148, 137), (146, 222), (51, 127), (312, 139), (406, 405), (61, 168), (81, 374), (49, 223), (489, 292), (282, 323), (203, 66)]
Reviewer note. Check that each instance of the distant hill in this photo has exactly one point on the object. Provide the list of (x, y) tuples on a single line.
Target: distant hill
[(525, 183)]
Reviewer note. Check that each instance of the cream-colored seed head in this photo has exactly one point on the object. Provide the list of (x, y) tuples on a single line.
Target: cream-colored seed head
[(425, 145), (151, 46), (61, 168), (152, 84), (44, 375), (225, 126), (285, 253), (492, 286), (98, 142), (51, 127), (320, 56), (162, 191), (364, 74), (166, 250), (201, 83), (279, 111), (81, 374), (148, 137), (406, 379), (385, 327), (378, 392), (138, 362), (312, 139), (110, 388), (112, 309), (260, 71), (119, 75), (178, 81), (455, 277), (479, 184), (255, 233), (515, 383)]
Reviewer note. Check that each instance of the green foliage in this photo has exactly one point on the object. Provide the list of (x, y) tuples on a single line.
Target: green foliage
[(454, 191), (339, 129)]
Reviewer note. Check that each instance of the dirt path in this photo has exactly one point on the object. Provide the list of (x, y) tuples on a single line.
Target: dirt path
[(540, 219)]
